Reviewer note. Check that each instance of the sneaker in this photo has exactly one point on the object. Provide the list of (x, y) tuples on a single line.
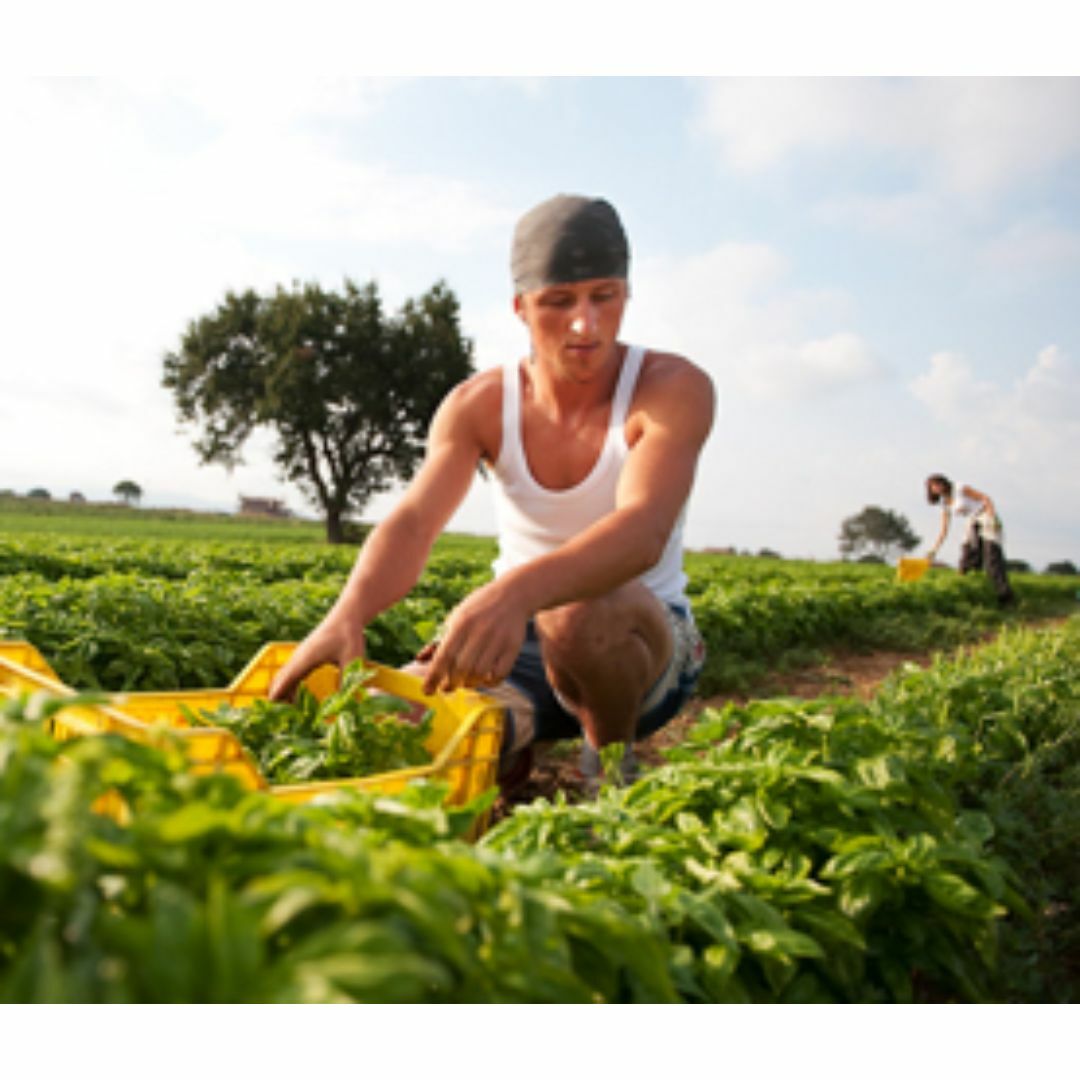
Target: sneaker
[(591, 769)]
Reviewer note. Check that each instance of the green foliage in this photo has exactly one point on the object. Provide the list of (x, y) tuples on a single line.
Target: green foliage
[(753, 616), (120, 612), (919, 847), (1065, 566), (792, 853), (129, 491), (210, 893), (348, 392), (1011, 713), (146, 615), (350, 733), (876, 531), (916, 847)]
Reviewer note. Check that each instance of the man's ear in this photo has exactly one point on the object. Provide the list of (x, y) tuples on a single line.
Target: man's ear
[(519, 306)]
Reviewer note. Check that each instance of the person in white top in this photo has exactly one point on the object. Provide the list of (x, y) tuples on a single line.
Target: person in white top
[(593, 446), (982, 546)]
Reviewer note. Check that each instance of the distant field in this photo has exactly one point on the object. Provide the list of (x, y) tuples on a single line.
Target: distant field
[(141, 599), (95, 519), (19, 516)]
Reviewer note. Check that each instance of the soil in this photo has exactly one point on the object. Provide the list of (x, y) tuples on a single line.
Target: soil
[(852, 674), (844, 673)]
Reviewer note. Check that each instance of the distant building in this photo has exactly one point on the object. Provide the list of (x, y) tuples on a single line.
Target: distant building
[(77, 497), (262, 507)]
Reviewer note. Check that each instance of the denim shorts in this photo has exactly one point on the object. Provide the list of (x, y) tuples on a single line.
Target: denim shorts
[(551, 720)]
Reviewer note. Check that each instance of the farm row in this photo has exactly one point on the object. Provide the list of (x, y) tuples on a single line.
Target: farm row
[(123, 614), (915, 847)]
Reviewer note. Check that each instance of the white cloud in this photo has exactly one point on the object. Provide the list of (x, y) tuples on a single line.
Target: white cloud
[(1029, 428), (952, 392), (760, 122), (1049, 393), (1042, 404), (1033, 246), (250, 169), (899, 216), (734, 310), (132, 211), (836, 360), (966, 136)]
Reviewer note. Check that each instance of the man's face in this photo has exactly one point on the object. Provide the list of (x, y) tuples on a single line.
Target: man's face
[(574, 326)]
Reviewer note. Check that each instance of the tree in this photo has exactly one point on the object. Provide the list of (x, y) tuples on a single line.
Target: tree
[(129, 491), (876, 531), (348, 392), (1065, 566)]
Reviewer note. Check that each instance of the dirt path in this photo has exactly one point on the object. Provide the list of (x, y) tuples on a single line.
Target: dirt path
[(554, 766), (844, 673)]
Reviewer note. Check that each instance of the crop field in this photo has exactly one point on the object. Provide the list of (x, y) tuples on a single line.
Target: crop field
[(917, 846)]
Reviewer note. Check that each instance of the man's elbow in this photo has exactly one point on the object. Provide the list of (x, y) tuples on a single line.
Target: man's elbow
[(650, 547)]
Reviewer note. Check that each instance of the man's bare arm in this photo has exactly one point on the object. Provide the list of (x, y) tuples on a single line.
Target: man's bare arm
[(655, 484), (395, 553), (484, 632)]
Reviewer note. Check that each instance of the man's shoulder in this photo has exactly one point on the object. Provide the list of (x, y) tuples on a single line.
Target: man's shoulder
[(673, 393), (478, 392), (473, 408), (669, 372)]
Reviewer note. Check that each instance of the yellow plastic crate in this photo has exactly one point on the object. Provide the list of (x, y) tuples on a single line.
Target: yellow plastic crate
[(466, 735), (908, 569)]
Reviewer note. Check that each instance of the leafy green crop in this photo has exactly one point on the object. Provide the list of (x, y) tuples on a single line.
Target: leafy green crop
[(350, 733), (212, 893), (920, 846), (916, 847), (791, 855)]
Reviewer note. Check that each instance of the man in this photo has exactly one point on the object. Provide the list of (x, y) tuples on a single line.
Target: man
[(592, 445), (983, 535)]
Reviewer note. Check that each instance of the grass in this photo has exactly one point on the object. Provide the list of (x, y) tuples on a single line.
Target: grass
[(103, 521)]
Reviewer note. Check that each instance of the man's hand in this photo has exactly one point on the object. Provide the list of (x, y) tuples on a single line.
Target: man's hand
[(480, 642), (334, 641)]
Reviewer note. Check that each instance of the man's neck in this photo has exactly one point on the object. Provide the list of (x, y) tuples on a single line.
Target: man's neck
[(560, 394)]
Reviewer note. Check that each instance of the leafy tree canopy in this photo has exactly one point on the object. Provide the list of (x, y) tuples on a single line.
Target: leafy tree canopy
[(1065, 566), (348, 391), (876, 532), (129, 491)]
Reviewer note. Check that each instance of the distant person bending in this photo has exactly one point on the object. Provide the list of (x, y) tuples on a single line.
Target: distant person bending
[(981, 547), (592, 445)]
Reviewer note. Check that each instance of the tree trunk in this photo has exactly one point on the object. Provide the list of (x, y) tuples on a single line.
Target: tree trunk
[(335, 529)]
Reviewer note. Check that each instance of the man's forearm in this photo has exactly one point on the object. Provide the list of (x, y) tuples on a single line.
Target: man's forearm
[(389, 565)]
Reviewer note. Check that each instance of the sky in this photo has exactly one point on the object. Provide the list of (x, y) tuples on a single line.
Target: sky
[(881, 274)]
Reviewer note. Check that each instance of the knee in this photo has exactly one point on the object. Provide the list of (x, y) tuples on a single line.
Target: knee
[(574, 631)]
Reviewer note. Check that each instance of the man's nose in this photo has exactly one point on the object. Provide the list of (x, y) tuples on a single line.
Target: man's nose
[(584, 319)]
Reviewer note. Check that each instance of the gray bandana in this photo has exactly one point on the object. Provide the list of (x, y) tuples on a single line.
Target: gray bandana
[(568, 238)]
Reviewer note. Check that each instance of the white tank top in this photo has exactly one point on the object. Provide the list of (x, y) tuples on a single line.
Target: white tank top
[(963, 504), (533, 520)]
